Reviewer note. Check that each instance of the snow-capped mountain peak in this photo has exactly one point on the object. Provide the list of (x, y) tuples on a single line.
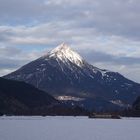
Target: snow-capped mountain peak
[(64, 53), (62, 47), (65, 74)]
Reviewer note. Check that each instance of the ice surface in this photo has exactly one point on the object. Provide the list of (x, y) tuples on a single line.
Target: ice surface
[(68, 128)]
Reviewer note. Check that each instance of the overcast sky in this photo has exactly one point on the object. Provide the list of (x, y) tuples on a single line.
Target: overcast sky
[(105, 32)]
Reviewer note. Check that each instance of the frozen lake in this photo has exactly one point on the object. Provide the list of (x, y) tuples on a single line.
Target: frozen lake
[(68, 128)]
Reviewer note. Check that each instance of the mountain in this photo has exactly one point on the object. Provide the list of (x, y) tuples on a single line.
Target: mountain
[(134, 111), (136, 104), (64, 74), (21, 98)]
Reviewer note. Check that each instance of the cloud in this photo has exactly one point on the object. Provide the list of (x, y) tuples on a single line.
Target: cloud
[(119, 17), (56, 33), (12, 58), (10, 63), (98, 57), (105, 32)]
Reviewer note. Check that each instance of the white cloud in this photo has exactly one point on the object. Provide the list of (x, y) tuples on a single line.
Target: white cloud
[(107, 30)]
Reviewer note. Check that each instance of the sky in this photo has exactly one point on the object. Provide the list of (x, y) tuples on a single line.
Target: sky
[(105, 32)]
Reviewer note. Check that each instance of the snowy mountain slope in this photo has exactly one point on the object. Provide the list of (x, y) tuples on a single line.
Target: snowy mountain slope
[(65, 54), (63, 72)]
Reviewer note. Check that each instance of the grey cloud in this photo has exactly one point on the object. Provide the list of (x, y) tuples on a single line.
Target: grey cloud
[(6, 63), (11, 58), (109, 28), (99, 57), (19, 10), (9, 51), (119, 17)]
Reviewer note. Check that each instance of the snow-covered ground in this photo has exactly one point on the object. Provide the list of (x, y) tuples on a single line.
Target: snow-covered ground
[(68, 128)]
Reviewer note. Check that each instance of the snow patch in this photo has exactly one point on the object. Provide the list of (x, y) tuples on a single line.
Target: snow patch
[(117, 102), (66, 98), (64, 53)]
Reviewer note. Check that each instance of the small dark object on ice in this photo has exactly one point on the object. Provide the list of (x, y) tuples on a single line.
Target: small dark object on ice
[(104, 116)]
